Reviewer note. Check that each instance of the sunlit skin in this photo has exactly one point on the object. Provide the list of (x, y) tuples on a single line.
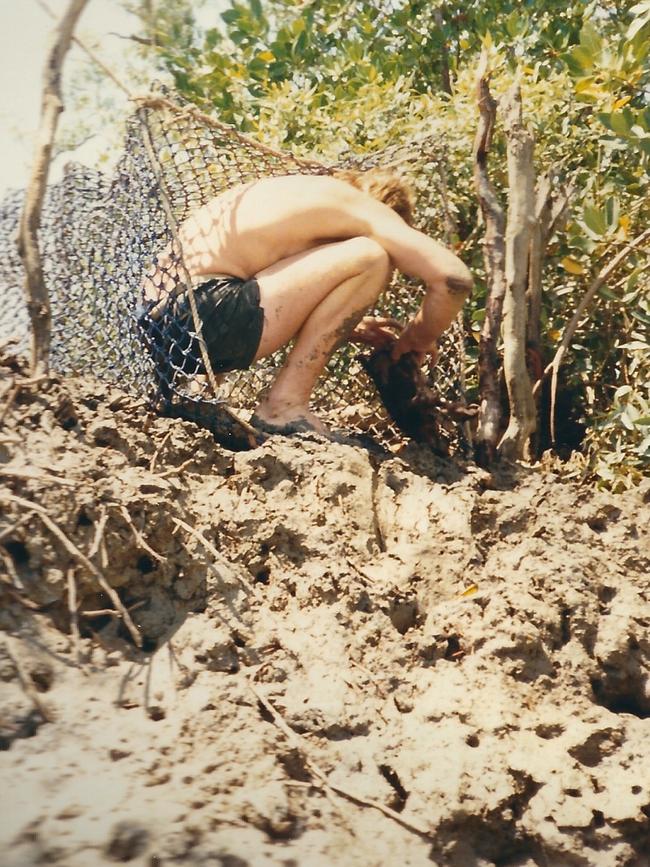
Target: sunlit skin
[(322, 252)]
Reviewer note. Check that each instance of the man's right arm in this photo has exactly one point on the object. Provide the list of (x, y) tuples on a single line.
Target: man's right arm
[(448, 280)]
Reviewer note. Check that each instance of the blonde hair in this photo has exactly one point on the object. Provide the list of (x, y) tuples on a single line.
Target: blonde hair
[(384, 185)]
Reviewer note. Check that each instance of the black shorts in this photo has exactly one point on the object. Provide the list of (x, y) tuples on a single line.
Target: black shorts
[(232, 322)]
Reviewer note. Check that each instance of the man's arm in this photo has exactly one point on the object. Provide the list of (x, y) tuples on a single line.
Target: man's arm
[(448, 281)]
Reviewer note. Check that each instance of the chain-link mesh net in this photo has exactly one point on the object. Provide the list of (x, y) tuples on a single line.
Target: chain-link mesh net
[(101, 237)]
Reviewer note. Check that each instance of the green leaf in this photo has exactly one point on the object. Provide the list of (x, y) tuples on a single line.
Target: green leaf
[(594, 219), (579, 60), (230, 15), (612, 212), (618, 122), (590, 40)]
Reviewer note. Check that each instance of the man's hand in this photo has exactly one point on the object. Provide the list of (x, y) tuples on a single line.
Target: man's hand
[(412, 340), (377, 331)]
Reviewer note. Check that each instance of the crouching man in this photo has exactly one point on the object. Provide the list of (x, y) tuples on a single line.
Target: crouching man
[(304, 257)]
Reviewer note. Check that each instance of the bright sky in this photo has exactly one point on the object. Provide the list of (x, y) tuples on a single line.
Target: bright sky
[(25, 30)]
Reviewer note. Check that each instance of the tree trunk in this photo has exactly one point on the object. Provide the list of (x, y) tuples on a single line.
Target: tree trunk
[(445, 74), (36, 295), (551, 205), (494, 255), (521, 219)]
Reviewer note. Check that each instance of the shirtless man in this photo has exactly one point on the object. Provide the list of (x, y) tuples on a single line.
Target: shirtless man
[(305, 257)]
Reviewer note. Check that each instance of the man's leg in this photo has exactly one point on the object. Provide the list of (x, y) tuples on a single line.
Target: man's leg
[(318, 297)]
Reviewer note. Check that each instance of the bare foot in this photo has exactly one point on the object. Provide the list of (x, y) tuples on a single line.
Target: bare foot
[(288, 416)]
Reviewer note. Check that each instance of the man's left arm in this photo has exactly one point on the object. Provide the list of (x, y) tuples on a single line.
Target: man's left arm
[(447, 279)]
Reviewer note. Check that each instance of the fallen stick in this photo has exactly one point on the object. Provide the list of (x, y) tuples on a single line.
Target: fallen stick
[(9, 402), (27, 475), (138, 536), (323, 778), (99, 535), (74, 615), (156, 454), (211, 549), (81, 558), (106, 612), (26, 683)]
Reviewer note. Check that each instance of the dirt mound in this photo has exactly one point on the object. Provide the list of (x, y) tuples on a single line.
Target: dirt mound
[(349, 657)]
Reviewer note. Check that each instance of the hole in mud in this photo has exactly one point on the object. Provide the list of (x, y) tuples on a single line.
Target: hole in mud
[(472, 741), (83, 520), (69, 423), (565, 625), (294, 765), (393, 780), (606, 594), (403, 614), (149, 645), (599, 819), (627, 697), (42, 677), (573, 793), (636, 790), (156, 713), (145, 564), (264, 713), (18, 552), (262, 575), (453, 650), (26, 727)]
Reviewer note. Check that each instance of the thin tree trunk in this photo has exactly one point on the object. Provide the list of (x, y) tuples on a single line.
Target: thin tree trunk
[(494, 256), (37, 298), (521, 219), (551, 206), (444, 52), (538, 241)]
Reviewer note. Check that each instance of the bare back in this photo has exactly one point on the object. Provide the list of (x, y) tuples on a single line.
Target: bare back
[(253, 226)]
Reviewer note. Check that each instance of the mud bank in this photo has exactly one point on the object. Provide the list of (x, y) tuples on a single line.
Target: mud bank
[(349, 657)]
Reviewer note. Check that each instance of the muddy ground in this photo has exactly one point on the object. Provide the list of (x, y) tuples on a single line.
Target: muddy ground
[(349, 657)]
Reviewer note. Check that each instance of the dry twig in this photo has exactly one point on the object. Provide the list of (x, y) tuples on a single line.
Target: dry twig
[(81, 558), (32, 476), (26, 682), (99, 534), (138, 536), (176, 470), (156, 454), (36, 294), (9, 403), (211, 549), (9, 531), (74, 614), (322, 777), (111, 612)]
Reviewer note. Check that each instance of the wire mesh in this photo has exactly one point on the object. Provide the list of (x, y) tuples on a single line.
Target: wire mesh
[(100, 237)]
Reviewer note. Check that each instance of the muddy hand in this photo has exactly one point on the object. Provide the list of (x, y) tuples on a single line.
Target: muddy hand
[(377, 331)]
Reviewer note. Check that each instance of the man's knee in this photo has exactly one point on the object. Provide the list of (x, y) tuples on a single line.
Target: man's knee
[(369, 255)]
